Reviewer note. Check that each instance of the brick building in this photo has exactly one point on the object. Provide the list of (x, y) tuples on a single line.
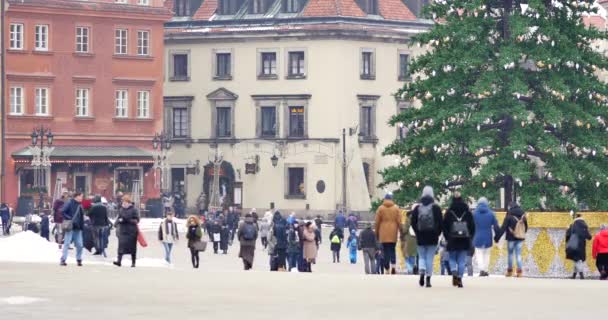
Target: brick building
[(91, 72)]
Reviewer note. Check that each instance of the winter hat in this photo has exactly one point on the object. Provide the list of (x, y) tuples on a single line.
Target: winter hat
[(482, 201), (428, 192), (603, 227), (388, 196)]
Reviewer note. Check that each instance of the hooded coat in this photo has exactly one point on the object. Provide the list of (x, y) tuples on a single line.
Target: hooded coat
[(458, 210), (388, 222), (579, 229), (427, 238), (485, 222), (247, 249), (127, 232), (309, 244)]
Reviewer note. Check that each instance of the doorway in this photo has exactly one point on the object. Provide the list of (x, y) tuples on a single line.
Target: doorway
[(82, 183)]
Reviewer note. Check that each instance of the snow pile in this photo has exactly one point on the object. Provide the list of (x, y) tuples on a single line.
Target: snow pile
[(20, 300), (28, 247)]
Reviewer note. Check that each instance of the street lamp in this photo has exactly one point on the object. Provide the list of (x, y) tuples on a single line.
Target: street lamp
[(162, 143), (41, 159), (275, 160)]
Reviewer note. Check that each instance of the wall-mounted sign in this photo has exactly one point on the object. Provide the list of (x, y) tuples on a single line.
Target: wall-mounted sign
[(320, 186), (251, 168)]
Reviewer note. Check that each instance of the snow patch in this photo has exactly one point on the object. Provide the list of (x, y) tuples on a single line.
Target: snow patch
[(20, 300)]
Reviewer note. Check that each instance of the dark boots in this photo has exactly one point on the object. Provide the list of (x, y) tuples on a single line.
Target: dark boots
[(421, 282), (581, 275), (79, 263), (454, 280), (428, 282)]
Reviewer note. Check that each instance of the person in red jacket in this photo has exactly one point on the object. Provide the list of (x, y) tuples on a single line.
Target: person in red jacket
[(600, 252)]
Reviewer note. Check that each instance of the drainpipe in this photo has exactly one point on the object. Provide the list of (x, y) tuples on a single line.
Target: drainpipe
[(2, 103)]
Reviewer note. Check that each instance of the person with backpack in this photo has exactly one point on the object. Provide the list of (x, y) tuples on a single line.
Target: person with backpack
[(247, 235), (367, 245), (458, 229), (277, 242), (576, 245), (309, 245), (600, 251), (515, 226), (388, 224), (335, 239), (293, 247), (168, 235), (485, 223), (427, 224), (352, 246)]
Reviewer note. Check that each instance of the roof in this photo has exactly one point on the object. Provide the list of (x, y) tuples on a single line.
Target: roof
[(329, 8), (206, 10), (94, 5), (91, 152)]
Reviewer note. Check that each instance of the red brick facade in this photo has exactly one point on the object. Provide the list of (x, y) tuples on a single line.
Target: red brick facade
[(45, 61)]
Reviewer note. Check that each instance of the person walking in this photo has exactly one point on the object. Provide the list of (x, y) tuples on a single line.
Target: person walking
[(168, 234), (100, 223), (73, 224), (427, 224), (600, 251), (5, 216), (576, 245), (58, 218), (277, 243), (353, 223), (215, 234), (224, 235), (340, 221), (515, 226), (264, 231), (485, 223), (247, 234), (127, 221), (353, 246), (409, 247), (388, 224), (194, 234), (293, 247), (368, 245), (319, 224), (458, 229), (335, 238), (444, 257), (309, 246)]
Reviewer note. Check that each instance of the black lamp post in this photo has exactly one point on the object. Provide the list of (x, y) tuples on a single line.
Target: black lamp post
[(40, 161)]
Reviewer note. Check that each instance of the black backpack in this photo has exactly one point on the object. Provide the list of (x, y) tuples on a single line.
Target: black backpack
[(249, 232), (426, 218), (460, 228)]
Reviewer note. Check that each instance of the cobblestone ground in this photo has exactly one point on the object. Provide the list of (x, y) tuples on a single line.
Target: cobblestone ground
[(221, 290)]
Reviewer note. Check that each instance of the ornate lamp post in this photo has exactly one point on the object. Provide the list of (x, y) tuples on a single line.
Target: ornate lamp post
[(41, 154), (162, 144)]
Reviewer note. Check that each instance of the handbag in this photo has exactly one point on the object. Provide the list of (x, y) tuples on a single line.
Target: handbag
[(140, 238), (67, 225), (199, 245), (216, 237)]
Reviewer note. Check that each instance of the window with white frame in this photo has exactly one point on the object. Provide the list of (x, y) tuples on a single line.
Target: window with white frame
[(143, 43), (16, 100), (42, 101), (120, 44), (122, 103), (366, 121), (143, 2), (296, 64), (368, 69), (121, 1), (181, 122), (16, 36), (269, 64), (41, 35), (296, 122), (82, 39), (223, 65), (82, 102), (143, 104), (404, 62)]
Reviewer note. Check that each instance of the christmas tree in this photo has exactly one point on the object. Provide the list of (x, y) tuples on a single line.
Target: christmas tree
[(507, 96)]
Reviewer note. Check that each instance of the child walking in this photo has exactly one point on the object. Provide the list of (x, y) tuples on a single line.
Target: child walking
[(353, 246), (335, 238)]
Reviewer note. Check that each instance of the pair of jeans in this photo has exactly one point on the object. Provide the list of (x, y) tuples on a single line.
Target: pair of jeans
[(369, 260), (445, 267), (458, 260), (514, 247), (482, 255), (99, 237), (69, 237), (425, 258), (390, 257), (410, 264), (168, 247), (292, 260)]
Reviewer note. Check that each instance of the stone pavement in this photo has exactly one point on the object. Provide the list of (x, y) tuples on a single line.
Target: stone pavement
[(221, 290)]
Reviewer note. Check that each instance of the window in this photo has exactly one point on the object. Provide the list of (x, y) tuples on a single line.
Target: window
[(121, 1), (182, 8), (127, 178), (180, 122), (82, 39), (228, 7), (269, 122), (178, 180), (180, 67), (291, 6), (296, 64), (120, 41), (16, 36), (269, 64), (402, 129), (223, 124), (296, 181), (41, 42), (257, 6), (42, 101), (296, 122), (30, 181), (367, 127), (143, 104), (404, 61), (82, 102), (222, 65), (369, 6), (16, 100), (122, 103), (143, 43), (143, 2), (367, 65)]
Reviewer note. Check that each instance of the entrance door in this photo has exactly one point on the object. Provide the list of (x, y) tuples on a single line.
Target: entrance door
[(82, 183)]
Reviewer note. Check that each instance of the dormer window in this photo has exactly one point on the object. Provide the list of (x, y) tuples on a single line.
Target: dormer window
[(257, 6), (182, 8), (230, 7), (291, 6), (369, 6)]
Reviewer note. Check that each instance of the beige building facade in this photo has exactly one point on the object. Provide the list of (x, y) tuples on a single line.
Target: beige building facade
[(273, 98)]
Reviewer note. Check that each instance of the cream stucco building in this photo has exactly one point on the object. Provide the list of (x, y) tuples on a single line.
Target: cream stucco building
[(270, 86)]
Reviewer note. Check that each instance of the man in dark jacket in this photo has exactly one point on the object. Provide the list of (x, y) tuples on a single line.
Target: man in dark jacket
[(458, 230), (73, 220), (515, 214), (100, 223), (58, 218), (368, 245), (5, 216), (340, 221), (576, 244), (427, 225)]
